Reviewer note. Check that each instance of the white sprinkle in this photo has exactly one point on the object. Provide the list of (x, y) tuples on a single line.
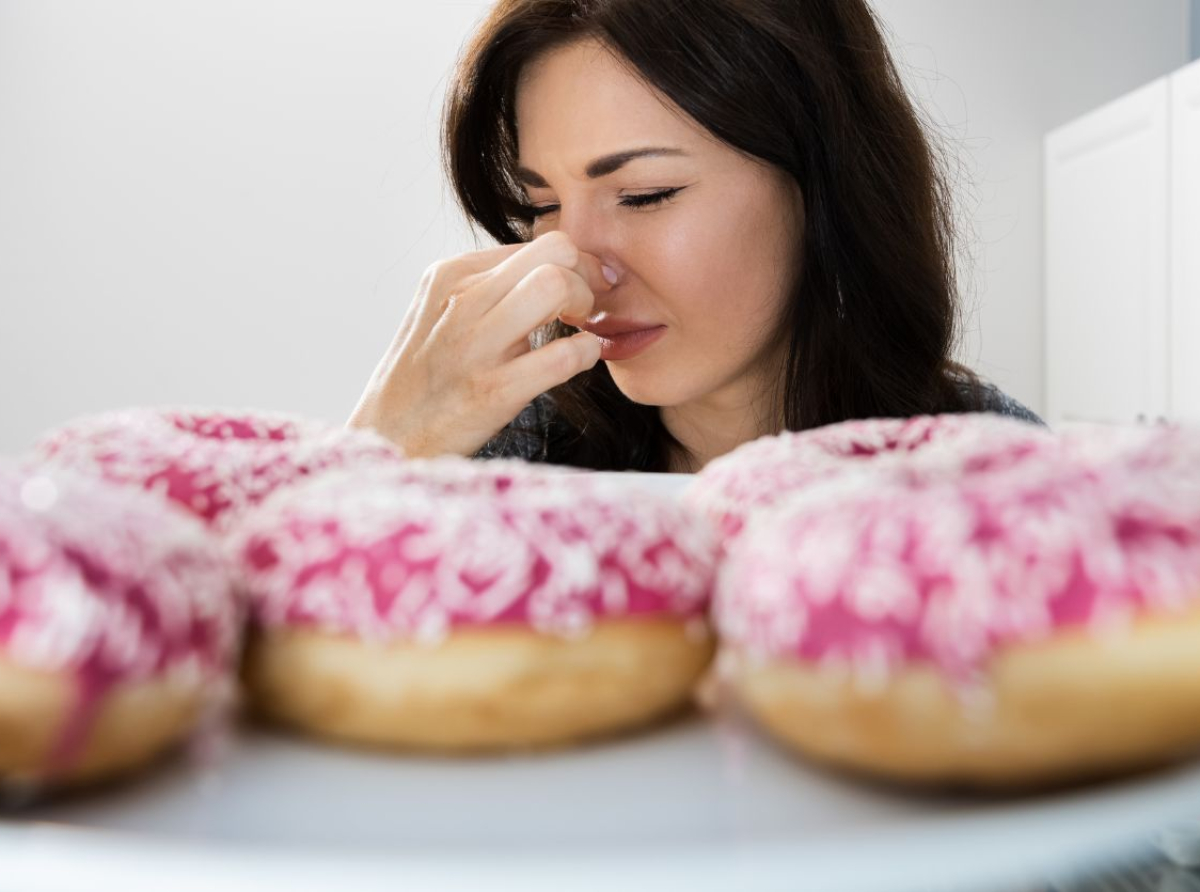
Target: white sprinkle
[(39, 493)]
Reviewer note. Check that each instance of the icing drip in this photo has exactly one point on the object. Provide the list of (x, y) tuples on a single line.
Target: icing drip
[(108, 585)]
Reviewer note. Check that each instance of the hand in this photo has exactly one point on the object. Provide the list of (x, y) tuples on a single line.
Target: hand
[(461, 366)]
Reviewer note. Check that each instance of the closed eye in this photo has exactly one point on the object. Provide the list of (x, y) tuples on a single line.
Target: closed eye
[(629, 201)]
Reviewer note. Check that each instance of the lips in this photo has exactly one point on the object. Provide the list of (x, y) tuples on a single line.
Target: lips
[(627, 345), (607, 328)]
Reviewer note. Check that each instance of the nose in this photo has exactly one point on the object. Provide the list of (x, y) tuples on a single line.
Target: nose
[(593, 231)]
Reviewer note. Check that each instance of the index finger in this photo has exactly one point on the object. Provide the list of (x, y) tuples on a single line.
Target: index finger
[(553, 247)]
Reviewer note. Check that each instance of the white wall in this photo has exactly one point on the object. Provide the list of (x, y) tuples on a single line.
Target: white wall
[(998, 75), (230, 202), (224, 202)]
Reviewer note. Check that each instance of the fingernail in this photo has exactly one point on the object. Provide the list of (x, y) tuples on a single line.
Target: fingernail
[(610, 274)]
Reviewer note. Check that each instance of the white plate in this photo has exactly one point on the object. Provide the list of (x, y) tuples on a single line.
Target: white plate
[(700, 805), (703, 804)]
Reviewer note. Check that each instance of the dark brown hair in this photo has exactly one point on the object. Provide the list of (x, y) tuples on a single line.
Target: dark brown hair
[(809, 87)]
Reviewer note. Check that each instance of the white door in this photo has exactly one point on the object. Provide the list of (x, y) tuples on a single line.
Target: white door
[(1106, 182), (1185, 244)]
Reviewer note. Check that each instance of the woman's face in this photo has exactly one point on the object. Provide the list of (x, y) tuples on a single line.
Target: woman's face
[(713, 263)]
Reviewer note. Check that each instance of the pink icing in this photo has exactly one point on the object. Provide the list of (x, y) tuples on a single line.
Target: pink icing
[(108, 585), (212, 462), (417, 550), (764, 471), (1091, 530)]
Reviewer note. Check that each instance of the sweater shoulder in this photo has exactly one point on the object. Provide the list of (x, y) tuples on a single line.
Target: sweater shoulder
[(526, 436), (990, 398)]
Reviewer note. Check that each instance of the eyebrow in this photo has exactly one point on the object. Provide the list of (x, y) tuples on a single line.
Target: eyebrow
[(603, 166)]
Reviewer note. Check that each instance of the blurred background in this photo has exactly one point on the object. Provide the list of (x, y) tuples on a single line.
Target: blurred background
[(231, 203)]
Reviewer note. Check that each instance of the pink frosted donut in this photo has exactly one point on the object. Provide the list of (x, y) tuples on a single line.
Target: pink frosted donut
[(1032, 627), (1170, 449), (117, 620), (214, 463), (759, 474), (459, 605)]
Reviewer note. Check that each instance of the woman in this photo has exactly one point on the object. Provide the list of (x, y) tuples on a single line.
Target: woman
[(719, 219)]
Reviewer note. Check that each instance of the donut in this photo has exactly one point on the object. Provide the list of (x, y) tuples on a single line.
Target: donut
[(454, 605), (1165, 448), (118, 626), (213, 462), (760, 473), (1024, 629)]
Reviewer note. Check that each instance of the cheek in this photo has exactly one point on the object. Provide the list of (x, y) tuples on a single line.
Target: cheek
[(718, 276)]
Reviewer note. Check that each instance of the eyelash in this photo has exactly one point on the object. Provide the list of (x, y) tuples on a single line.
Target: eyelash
[(630, 201)]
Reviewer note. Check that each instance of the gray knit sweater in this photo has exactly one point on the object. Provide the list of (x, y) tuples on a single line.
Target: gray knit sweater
[(527, 435)]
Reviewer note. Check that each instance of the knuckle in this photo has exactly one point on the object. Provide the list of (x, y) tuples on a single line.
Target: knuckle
[(579, 299), (439, 273), (562, 247), (447, 278), (569, 360), (553, 278)]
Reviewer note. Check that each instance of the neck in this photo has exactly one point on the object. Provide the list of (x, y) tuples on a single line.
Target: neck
[(715, 426)]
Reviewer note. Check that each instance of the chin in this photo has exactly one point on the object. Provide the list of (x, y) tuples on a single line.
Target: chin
[(650, 388)]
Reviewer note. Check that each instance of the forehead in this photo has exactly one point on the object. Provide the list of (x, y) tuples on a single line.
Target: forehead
[(578, 101)]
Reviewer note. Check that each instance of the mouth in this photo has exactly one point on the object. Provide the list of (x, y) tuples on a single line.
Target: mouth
[(628, 344)]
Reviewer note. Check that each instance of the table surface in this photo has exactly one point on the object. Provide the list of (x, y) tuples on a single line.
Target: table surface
[(705, 801)]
